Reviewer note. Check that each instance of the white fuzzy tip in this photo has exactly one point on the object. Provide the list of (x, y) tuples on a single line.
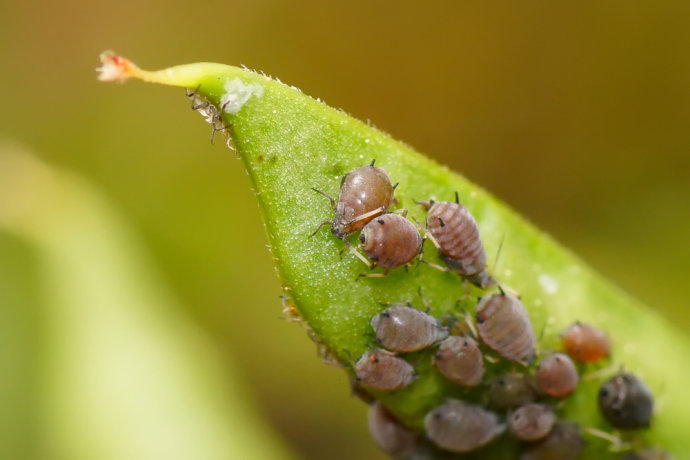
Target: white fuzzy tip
[(114, 68), (237, 93)]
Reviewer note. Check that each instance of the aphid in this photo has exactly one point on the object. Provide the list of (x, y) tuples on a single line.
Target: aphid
[(556, 375), (390, 241), (531, 422), (503, 325), (461, 427), (404, 328), (511, 390), (650, 453), (210, 113), (389, 434), (460, 361), (585, 343), (455, 233), (365, 192), (626, 402), (381, 370), (563, 443)]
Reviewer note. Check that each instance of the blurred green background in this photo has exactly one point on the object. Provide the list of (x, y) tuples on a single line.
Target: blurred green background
[(575, 114)]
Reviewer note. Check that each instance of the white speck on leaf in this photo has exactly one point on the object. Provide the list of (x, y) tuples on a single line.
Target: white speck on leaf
[(548, 284), (237, 93)]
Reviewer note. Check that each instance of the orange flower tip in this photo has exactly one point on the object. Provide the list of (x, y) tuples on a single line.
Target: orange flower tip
[(115, 67)]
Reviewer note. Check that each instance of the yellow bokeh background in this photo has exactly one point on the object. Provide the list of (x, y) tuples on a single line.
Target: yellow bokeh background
[(575, 114)]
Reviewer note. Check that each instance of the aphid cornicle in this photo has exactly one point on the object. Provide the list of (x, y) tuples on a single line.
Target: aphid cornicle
[(626, 402), (365, 192), (504, 326), (455, 232), (531, 422), (511, 390), (556, 375), (404, 328), (390, 241), (458, 426), (585, 343), (460, 361), (563, 443), (381, 370), (389, 434)]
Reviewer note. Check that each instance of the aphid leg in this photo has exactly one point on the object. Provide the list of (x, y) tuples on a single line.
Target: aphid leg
[(491, 359), (319, 228), (327, 196), (616, 443), (402, 212), (371, 214), (436, 266), (601, 373), (373, 275), (425, 302), (503, 289), (468, 319), (424, 204), (433, 240), (359, 256)]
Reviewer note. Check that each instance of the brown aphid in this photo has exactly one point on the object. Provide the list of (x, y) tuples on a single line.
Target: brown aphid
[(556, 375), (456, 234), (531, 422), (404, 328), (504, 326), (458, 426), (563, 443), (388, 434), (390, 241), (626, 402), (586, 343), (460, 361), (365, 192), (512, 390), (381, 370)]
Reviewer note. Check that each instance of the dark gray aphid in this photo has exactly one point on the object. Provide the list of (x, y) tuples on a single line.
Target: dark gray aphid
[(458, 426), (650, 453), (365, 192), (390, 241), (210, 113), (460, 361), (556, 375), (504, 326), (456, 234), (511, 390), (389, 434), (626, 402), (563, 443), (381, 370), (404, 328), (531, 422), (585, 343)]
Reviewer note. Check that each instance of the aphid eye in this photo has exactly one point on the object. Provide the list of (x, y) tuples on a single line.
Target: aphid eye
[(604, 392), (362, 238), (381, 221)]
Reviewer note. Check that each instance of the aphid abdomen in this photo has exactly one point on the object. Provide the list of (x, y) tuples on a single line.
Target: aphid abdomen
[(391, 240), (557, 375), (586, 343), (363, 191), (457, 234), (458, 426), (389, 434), (504, 326), (460, 361), (512, 390), (531, 422), (381, 370), (626, 402), (406, 329)]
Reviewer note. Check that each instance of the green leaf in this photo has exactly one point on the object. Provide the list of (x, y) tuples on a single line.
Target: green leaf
[(290, 142)]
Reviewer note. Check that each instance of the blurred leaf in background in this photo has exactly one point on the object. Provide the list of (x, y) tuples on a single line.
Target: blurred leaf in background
[(575, 114)]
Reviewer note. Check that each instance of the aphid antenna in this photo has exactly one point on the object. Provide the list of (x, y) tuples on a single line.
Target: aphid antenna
[(425, 302), (616, 444), (436, 266), (494, 268), (371, 214), (319, 228), (332, 200), (372, 275)]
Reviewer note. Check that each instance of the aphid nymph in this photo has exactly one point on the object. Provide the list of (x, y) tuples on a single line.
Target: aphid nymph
[(460, 361), (556, 375), (390, 241), (382, 370), (389, 434), (459, 426), (626, 402), (531, 422), (503, 325), (585, 343), (403, 328), (209, 111)]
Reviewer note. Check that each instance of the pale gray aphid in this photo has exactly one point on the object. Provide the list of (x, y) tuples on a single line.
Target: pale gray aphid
[(458, 426), (556, 375), (387, 432), (504, 326), (563, 443), (382, 370), (626, 402), (403, 328), (209, 111), (511, 390), (460, 361), (531, 422), (390, 241)]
